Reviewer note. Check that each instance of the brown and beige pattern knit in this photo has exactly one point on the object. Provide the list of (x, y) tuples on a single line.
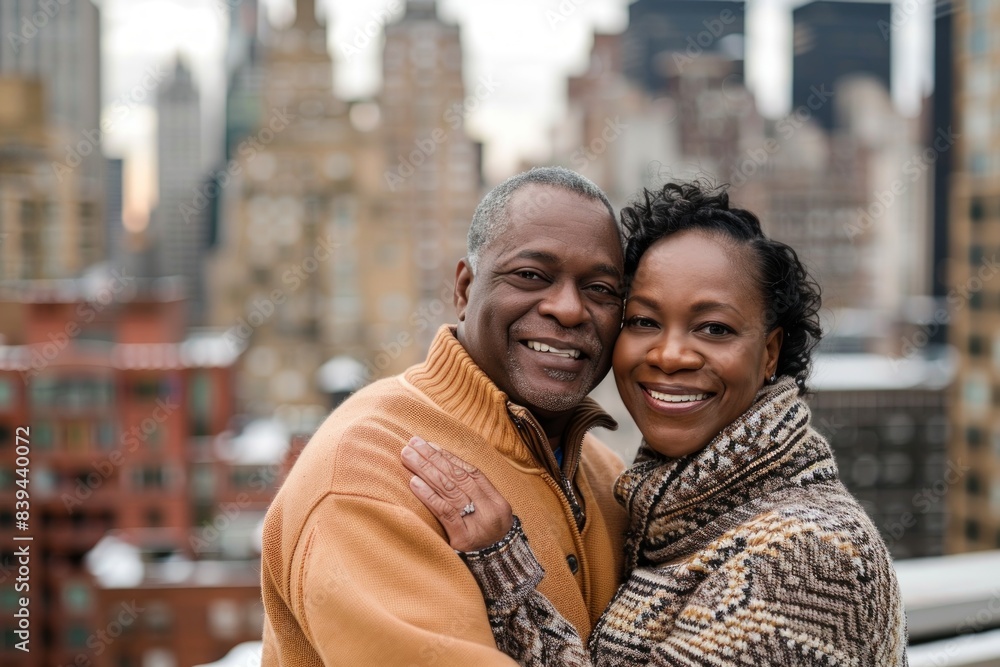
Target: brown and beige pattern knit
[(749, 552)]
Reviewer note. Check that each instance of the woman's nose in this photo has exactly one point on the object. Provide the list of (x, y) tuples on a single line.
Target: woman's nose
[(673, 352)]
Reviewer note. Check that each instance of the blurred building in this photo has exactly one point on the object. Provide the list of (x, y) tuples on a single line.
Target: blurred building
[(285, 279), (50, 222), (160, 608), (973, 286), (887, 422), (117, 394), (833, 40), (245, 73), (114, 209), (344, 221), (431, 181), (623, 137), (178, 224), (942, 117), (57, 45), (664, 36)]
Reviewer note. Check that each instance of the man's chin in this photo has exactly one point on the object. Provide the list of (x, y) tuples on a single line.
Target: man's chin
[(550, 395)]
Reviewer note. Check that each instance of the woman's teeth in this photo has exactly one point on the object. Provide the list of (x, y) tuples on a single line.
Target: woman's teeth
[(677, 398), (542, 347)]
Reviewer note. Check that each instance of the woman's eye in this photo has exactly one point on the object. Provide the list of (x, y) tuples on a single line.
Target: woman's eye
[(640, 322), (715, 329)]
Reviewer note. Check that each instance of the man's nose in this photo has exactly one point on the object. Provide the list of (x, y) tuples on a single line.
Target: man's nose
[(564, 302)]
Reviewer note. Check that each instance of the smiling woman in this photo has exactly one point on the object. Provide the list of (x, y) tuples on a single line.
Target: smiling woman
[(743, 545)]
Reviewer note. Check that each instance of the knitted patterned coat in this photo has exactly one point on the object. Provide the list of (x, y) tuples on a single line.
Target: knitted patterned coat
[(748, 552)]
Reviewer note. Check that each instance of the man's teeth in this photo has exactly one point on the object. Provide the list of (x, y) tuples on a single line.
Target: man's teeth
[(542, 347), (677, 398)]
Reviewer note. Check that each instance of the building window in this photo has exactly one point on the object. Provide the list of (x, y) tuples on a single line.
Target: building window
[(972, 486), (200, 404), (158, 617), (149, 389), (78, 437), (150, 477), (6, 393), (976, 300), (974, 437), (972, 530), (159, 657), (77, 597), (976, 346), (76, 636), (224, 619), (976, 212), (976, 393), (154, 517)]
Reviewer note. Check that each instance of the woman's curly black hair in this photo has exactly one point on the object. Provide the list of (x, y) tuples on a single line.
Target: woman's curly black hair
[(791, 296)]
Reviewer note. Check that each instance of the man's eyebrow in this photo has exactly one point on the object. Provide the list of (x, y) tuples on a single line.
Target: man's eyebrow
[(551, 258)]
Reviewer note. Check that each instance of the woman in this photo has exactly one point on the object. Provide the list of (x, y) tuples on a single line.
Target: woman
[(744, 548)]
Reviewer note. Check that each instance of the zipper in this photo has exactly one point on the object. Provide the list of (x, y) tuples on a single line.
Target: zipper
[(577, 539), (576, 510)]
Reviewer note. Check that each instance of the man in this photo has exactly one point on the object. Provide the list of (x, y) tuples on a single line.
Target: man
[(355, 570)]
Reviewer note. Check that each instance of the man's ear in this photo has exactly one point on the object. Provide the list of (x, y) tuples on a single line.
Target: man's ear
[(463, 283)]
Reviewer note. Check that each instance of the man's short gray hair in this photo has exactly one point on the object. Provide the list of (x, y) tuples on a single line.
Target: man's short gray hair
[(492, 216)]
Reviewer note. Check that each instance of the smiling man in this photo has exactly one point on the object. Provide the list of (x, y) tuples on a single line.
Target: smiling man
[(355, 570)]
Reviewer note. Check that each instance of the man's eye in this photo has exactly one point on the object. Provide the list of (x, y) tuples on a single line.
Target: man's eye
[(527, 275), (604, 289)]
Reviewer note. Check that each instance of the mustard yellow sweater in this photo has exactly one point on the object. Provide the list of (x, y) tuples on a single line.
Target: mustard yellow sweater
[(357, 572)]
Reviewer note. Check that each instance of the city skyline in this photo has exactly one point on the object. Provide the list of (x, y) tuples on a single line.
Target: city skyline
[(515, 122)]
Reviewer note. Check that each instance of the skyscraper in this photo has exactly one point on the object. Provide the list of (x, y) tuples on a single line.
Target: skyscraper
[(973, 285), (178, 224), (665, 35), (57, 45), (833, 40), (50, 221), (432, 171)]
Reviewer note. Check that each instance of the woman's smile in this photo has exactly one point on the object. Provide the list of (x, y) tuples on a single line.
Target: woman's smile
[(694, 350)]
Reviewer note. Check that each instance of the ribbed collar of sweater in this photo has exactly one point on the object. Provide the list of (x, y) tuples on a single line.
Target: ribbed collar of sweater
[(770, 446), (451, 379)]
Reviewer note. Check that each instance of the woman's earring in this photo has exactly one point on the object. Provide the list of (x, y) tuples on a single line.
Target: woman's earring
[(773, 378)]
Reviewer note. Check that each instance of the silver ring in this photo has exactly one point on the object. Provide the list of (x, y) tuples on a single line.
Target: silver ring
[(468, 509)]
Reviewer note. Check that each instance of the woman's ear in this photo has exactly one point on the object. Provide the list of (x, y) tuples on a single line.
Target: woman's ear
[(772, 349), (463, 283)]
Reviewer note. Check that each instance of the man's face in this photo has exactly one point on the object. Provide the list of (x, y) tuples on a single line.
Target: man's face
[(541, 314)]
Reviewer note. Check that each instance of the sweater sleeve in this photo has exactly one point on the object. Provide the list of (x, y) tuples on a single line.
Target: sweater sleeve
[(802, 599), (371, 583), (797, 603), (525, 624)]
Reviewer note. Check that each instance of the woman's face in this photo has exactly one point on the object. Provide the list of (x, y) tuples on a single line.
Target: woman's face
[(693, 351)]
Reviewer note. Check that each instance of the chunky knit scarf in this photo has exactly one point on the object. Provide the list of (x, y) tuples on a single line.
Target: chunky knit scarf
[(748, 552)]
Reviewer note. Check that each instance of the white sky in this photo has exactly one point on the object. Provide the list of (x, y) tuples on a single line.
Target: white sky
[(512, 41)]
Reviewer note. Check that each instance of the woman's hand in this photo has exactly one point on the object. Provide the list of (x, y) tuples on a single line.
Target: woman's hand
[(472, 511)]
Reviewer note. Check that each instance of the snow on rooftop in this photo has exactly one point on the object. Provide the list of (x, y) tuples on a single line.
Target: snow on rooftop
[(972, 650), (946, 580), (247, 654), (262, 442), (115, 563), (868, 372), (341, 374)]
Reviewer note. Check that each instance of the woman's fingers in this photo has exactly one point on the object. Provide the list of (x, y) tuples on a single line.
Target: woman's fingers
[(442, 509), (449, 487), (445, 473)]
